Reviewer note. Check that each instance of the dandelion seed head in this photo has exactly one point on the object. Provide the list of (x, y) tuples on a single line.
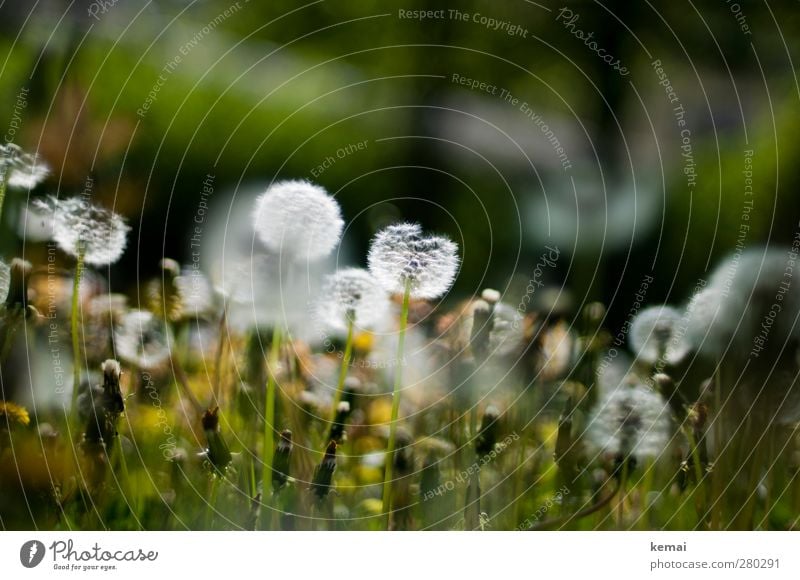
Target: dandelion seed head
[(630, 422), (400, 254), (195, 292), (352, 293), (76, 223), (142, 340), (652, 331), (19, 169), (298, 219)]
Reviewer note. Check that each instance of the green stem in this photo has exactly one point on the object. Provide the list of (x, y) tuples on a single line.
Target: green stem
[(398, 381), (348, 354), (212, 502), (269, 413), (76, 345)]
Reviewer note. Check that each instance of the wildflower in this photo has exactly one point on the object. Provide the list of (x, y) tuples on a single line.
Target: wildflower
[(401, 256), (19, 169), (630, 422), (652, 331), (142, 340), (299, 219), (352, 294), (13, 414), (85, 231), (217, 453), (322, 483)]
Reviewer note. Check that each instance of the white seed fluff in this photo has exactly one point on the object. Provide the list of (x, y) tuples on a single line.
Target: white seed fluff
[(352, 293), (195, 292), (19, 169), (298, 219), (141, 340), (400, 254), (5, 280), (630, 421), (652, 331), (78, 224)]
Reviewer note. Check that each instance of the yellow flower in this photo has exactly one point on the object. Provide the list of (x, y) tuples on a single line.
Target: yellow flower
[(13, 414)]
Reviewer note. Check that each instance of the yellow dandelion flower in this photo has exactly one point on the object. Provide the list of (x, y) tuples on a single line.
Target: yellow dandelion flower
[(12, 413)]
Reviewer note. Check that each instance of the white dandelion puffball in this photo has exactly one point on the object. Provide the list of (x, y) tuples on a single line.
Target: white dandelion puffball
[(630, 421), (652, 331), (195, 292), (352, 293), (5, 280), (141, 340), (400, 254), (298, 219), (19, 169), (77, 224)]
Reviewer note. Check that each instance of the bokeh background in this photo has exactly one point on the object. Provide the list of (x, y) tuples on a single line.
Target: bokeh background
[(147, 99)]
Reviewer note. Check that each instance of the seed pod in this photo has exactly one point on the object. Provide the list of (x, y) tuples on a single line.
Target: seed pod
[(217, 453), (337, 429), (282, 461), (481, 330), (106, 406), (487, 433), (322, 483), (19, 274)]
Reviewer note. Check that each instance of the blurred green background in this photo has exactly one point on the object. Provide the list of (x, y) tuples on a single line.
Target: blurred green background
[(271, 90)]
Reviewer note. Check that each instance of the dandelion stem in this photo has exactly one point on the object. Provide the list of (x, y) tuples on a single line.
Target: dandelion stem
[(269, 412), (398, 381), (76, 345), (222, 336), (348, 353), (559, 522), (212, 502)]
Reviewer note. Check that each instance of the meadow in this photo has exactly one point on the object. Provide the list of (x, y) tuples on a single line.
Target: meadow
[(264, 394)]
